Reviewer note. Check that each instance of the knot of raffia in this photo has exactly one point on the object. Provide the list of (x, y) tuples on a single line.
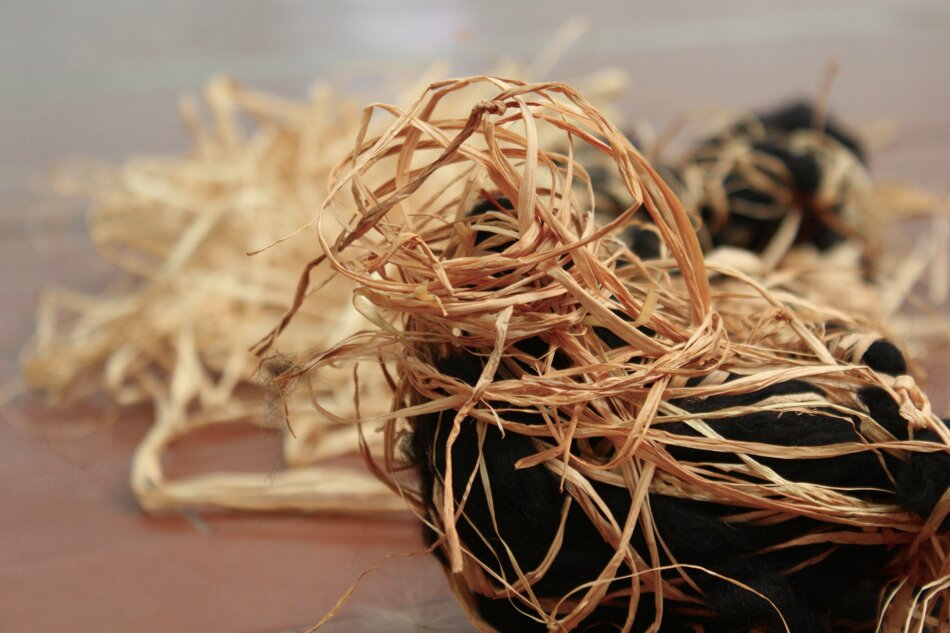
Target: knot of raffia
[(494, 106), (915, 406)]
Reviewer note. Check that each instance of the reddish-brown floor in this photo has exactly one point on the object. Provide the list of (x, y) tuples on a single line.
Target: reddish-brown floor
[(100, 79)]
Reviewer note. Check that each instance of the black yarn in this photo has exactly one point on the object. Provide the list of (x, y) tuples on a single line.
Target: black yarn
[(924, 478), (839, 593), (755, 232), (800, 115), (528, 502), (884, 357), (644, 242), (486, 206), (770, 134), (859, 470)]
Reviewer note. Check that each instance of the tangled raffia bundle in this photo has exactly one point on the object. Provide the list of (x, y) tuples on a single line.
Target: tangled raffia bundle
[(174, 329), (535, 304)]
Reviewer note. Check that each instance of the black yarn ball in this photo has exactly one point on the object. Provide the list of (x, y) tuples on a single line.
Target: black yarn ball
[(745, 180), (800, 115), (818, 588), (844, 587)]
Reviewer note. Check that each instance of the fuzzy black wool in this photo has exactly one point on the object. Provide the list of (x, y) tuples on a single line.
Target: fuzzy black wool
[(748, 178), (841, 592), (817, 588)]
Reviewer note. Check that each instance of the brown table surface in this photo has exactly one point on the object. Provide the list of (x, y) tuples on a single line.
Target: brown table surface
[(100, 79)]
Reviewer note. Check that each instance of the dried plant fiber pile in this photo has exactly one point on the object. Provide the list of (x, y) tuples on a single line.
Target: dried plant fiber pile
[(599, 440), (176, 330)]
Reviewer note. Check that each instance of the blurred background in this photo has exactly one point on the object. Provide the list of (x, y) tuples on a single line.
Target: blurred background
[(101, 78)]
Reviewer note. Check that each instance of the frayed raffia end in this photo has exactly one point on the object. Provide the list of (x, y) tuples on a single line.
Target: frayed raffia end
[(409, 248)]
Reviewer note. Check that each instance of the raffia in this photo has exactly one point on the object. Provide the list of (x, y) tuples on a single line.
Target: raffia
[(175, 328), (409, 249)]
